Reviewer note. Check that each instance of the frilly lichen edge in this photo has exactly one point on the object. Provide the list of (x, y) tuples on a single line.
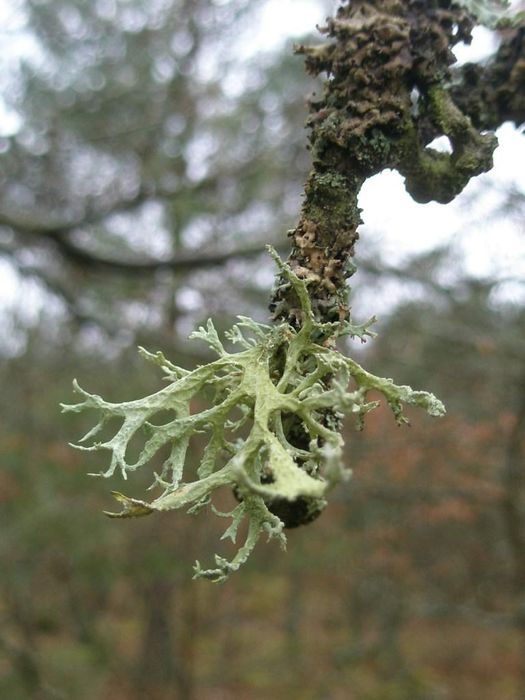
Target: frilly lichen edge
[(278, 371)]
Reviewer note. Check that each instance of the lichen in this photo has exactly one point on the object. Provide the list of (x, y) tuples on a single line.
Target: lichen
[(280, 372), (495, 14)]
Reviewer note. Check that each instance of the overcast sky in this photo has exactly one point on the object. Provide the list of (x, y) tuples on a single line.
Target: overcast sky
[(393, 222)]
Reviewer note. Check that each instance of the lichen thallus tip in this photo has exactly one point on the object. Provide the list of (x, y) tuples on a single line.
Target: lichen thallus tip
[(279, 373)]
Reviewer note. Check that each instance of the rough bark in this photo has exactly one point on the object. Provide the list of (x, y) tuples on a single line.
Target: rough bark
[(386, 97)]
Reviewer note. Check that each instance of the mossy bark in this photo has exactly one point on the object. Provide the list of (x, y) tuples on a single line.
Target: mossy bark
[(386, 97)]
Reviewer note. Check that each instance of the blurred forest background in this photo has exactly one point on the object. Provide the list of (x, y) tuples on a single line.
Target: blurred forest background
[(148, 154)]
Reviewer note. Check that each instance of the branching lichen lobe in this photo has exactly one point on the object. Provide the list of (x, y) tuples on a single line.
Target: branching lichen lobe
[(278, 480)]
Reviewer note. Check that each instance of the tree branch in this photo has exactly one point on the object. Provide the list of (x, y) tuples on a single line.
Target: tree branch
[(183, 262), (378, 54), (66, 228), (495, 93)]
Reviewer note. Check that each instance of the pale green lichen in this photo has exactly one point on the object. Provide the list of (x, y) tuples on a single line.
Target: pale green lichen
[(495, 14), (280, 371)]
